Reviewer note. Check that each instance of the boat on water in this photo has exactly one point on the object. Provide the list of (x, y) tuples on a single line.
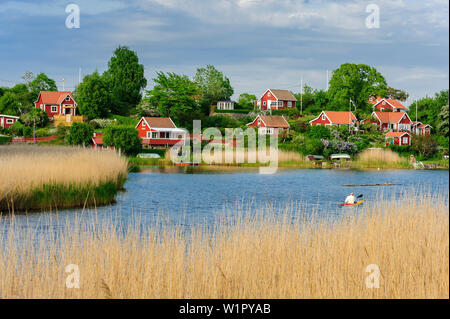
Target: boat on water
[(357, 203)]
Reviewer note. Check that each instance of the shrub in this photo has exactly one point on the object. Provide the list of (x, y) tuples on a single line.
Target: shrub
[(80, 134), (318, 132), (123, 138), (36, 117), (424, 145)]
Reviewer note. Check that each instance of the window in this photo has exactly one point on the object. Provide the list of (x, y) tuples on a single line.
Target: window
[(268, 94), (154, 134), (323, 117), (54, 108), (405, 140), (289, 104), (42, 107), (143, 123), (68, 98), (9, 121), (269, 130), (264, 103)]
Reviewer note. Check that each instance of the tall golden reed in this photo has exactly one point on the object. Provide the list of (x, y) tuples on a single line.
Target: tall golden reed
[(27, 167), (376, 157), (252, 257)]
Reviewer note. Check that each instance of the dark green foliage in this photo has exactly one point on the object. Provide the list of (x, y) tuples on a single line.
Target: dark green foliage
[(429, 108), (36, 117), (318, 132), (173, 96), (9, 104), (93, 96), (123, 138), (41, 83), (80, 134), (18, 129), (424, 145), (396, 94), (246, 101), (313, 146), (311, 101), (125, 79), (355, 82), (4, 139)]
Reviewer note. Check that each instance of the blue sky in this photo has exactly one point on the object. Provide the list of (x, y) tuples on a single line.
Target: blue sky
[(258, 44)]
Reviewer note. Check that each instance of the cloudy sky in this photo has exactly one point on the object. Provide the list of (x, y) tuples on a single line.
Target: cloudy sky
[(258, 44)]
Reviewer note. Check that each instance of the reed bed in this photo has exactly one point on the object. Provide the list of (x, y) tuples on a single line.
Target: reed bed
[(41, 177), (380, 158), (257, 255)]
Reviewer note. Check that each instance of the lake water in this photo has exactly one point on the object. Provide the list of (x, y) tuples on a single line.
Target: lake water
[(192, 196)]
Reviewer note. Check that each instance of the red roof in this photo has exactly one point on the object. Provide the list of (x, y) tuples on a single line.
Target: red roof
[(394, 103), (396, 134), (390, 117), (54, 97), (340, 117)]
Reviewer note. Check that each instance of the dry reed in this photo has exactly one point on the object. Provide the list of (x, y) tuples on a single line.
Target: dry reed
[(251, 257), (26, 168), (376, 157)]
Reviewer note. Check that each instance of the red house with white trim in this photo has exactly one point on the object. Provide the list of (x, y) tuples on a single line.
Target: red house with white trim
[(56, 103), (399, 138), (6, 121), (274, 99), (419, 128), (393, 121), (335, 118), (271, 125), (159, 132), (384, 104)]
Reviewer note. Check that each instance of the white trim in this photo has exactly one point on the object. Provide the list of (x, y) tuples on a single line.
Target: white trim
[(319, 116), (9, 121), (54, 106), (11, 116)]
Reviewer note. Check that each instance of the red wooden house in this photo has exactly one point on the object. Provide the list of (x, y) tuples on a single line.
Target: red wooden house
[(392, 121), (419, 128), (56, 103), (6, 121), (97, 142), (271, 125), (335, 118), (384, 104), (159, 132), (275, 100), (398, 138)]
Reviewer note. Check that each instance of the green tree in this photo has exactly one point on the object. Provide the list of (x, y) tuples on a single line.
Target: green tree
[(442, 125), (123, 138), (173, 95), (41, 83), (213, 84), (125, 78), (424, 145), (36, 117), (428, 108), (355, 82), (23, 96), (80, 134), (93, 96), (9, 104), (396, 94), (246, 100)]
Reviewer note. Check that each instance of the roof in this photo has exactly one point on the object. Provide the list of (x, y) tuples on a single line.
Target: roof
[(424, 125), (98, 138), (284, 95), (54, 97), (340, 117), (395, 103), (390, 117), (160, 122), (11, 116), (274, 121), (396, 134)]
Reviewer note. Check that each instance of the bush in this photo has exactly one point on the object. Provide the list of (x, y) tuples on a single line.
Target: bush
[(4, 140), (80, 134), (318, 132), (424, 145), (123, 138), (313, 146)]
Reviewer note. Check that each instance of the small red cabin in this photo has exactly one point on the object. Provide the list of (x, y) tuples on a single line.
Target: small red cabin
[(97, 142), (6, 121), (159, 132), (276, 99), (419, 128), (399, 138), (271, 125), (56, 103), (335, 118)]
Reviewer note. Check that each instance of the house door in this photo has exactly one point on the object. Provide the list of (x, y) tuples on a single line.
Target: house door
[(67, 111)]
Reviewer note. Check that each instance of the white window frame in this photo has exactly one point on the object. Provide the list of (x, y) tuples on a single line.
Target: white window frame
[(9, 121), (264, 103), (323, 117), (405, 140), (154, 135), (56, 108), (67, 98), (269, 130), (143, 123)]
